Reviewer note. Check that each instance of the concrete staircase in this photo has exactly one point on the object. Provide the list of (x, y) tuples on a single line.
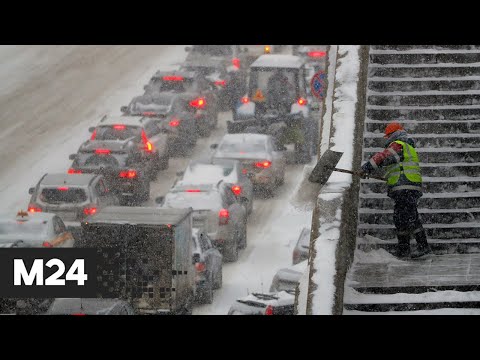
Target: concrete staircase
[(434, 91)]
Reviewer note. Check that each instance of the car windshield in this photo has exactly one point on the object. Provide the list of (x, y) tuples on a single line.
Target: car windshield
[(213, 50), (242, 147), (176, 84), (117, 132), (273, 83), (205, 174), (59, 195), (27, 228)]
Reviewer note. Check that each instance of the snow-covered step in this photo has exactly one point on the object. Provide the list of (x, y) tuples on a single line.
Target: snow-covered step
[(430, 185), (419, 127), (424, 87), (439, 231), (429, 140), (424, 51), (422, 47), (423, 59), (439, 246), (442, 80), (414, 65), (422, 93), (450, 112), (421, 101), (438, 155), (422, 71)]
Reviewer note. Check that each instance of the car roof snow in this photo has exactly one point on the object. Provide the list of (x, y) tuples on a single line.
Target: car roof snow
[(278, 61), (60, 179)]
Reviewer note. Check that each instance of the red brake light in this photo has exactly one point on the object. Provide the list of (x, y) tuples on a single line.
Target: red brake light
[(63, 188), (263, 164), (223, 216), (103, 151), (237, 190), (193, 190), (90, 211), (173, 78), (119, 127), (245, 100), (198, 103), (316, 53), (94, 134), (47, 244), (302, 101), (128, 174), (149, 113), (74, 171), (221, 83), (174, 123), (148, 144), (269, 310), (200, 266), (236, 62), (78, 314), (34, 209)]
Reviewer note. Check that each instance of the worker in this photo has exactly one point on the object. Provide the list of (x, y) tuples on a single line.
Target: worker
[(404, 182)]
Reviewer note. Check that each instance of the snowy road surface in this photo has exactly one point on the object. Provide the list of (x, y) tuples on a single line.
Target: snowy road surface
[(50, 95)]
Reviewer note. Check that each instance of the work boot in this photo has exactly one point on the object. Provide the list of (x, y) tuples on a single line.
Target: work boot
[(421, 251), (403, 247)]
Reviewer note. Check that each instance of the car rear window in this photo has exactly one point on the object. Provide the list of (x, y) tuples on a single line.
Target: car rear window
[(242, 147), (68, 195), (213, 50), (203, 200), (23, 228), (177, 85), (117, 132), (94, 160)]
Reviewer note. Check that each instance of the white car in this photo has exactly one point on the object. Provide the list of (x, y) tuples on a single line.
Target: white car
[(34, 230), (261, 163)]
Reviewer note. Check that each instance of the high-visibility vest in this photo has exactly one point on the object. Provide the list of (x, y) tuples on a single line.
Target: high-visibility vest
[(409, 167)]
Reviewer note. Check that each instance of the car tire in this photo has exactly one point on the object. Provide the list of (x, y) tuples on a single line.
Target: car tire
[(207, 296), (243, 239), (163, 162), (281, 180), (145, 195), (230, 253), (219, 280)]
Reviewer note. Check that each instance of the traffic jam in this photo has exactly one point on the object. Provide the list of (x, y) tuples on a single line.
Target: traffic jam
[(253, 108)]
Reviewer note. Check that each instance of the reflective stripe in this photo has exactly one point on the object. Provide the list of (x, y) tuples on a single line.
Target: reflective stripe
[(417, 230), (409, 168), (406, 187), (375, 166), (394, 153)]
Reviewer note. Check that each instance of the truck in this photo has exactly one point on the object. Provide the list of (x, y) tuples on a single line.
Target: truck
[(277, 104), (145, 257)]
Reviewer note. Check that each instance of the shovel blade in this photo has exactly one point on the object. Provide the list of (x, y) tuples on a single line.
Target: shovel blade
[(325, 166)]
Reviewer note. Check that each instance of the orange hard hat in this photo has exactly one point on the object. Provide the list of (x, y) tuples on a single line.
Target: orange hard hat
[(392, 127)]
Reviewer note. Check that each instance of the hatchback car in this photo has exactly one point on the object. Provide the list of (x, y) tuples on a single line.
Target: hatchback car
[(278, 303), (261, 163), (90, 306), (38, 229), (289, 277), (215, 209), (208, 266)]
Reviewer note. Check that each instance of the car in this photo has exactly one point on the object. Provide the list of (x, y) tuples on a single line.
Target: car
[(312, 54), (208, 266), (277, 303), (289, 277), (229, 81), (276, 104), (199, 93), (145, 131), (230, 171), (258, 155), (122, 163), (39, 229), (302, 248), (90, 306), (71, 196), (234, 55), (253, 52), (217, 210)]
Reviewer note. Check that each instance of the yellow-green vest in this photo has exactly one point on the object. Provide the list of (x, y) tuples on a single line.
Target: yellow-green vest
[(409, 167)]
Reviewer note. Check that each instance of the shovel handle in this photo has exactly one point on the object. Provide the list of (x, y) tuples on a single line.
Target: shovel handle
[(357, 173)]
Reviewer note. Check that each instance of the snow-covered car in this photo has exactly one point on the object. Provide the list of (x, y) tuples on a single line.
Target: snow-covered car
[(34, 230), (216, 210), (230, 171), (144, 131), (199, 93), (122, 163), (253, 52), (232, 55), (261, 162), (90, 306), (72, 197), (302, 248), (230, 82), (208, 266), (311, 53), (289, 277), (276, 104), (274, 303)]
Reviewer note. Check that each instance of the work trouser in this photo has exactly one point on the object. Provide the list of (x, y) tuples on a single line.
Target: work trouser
[(406, 218)]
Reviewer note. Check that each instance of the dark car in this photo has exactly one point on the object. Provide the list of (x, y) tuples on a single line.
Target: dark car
[(281, 303), (229, 81), (91, 306), (173, 116), (145, 131), (72, 196), (197, 90), (208, 266), (122, 163), (301, 250), (232, 55)]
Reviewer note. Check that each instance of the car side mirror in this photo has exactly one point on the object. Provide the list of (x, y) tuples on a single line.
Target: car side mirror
[(180, 173), (31, 190), (214, 146), (72, 156), (188, 48), (91, 129), (159, 200), (124, 109), (195, 258)]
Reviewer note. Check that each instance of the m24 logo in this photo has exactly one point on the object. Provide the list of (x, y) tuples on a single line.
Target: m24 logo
[(21, 276)]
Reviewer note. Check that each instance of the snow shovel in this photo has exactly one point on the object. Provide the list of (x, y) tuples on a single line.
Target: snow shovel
[(327, 164)]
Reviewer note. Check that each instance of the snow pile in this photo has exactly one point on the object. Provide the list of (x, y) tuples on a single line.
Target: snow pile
[(330, 199)]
